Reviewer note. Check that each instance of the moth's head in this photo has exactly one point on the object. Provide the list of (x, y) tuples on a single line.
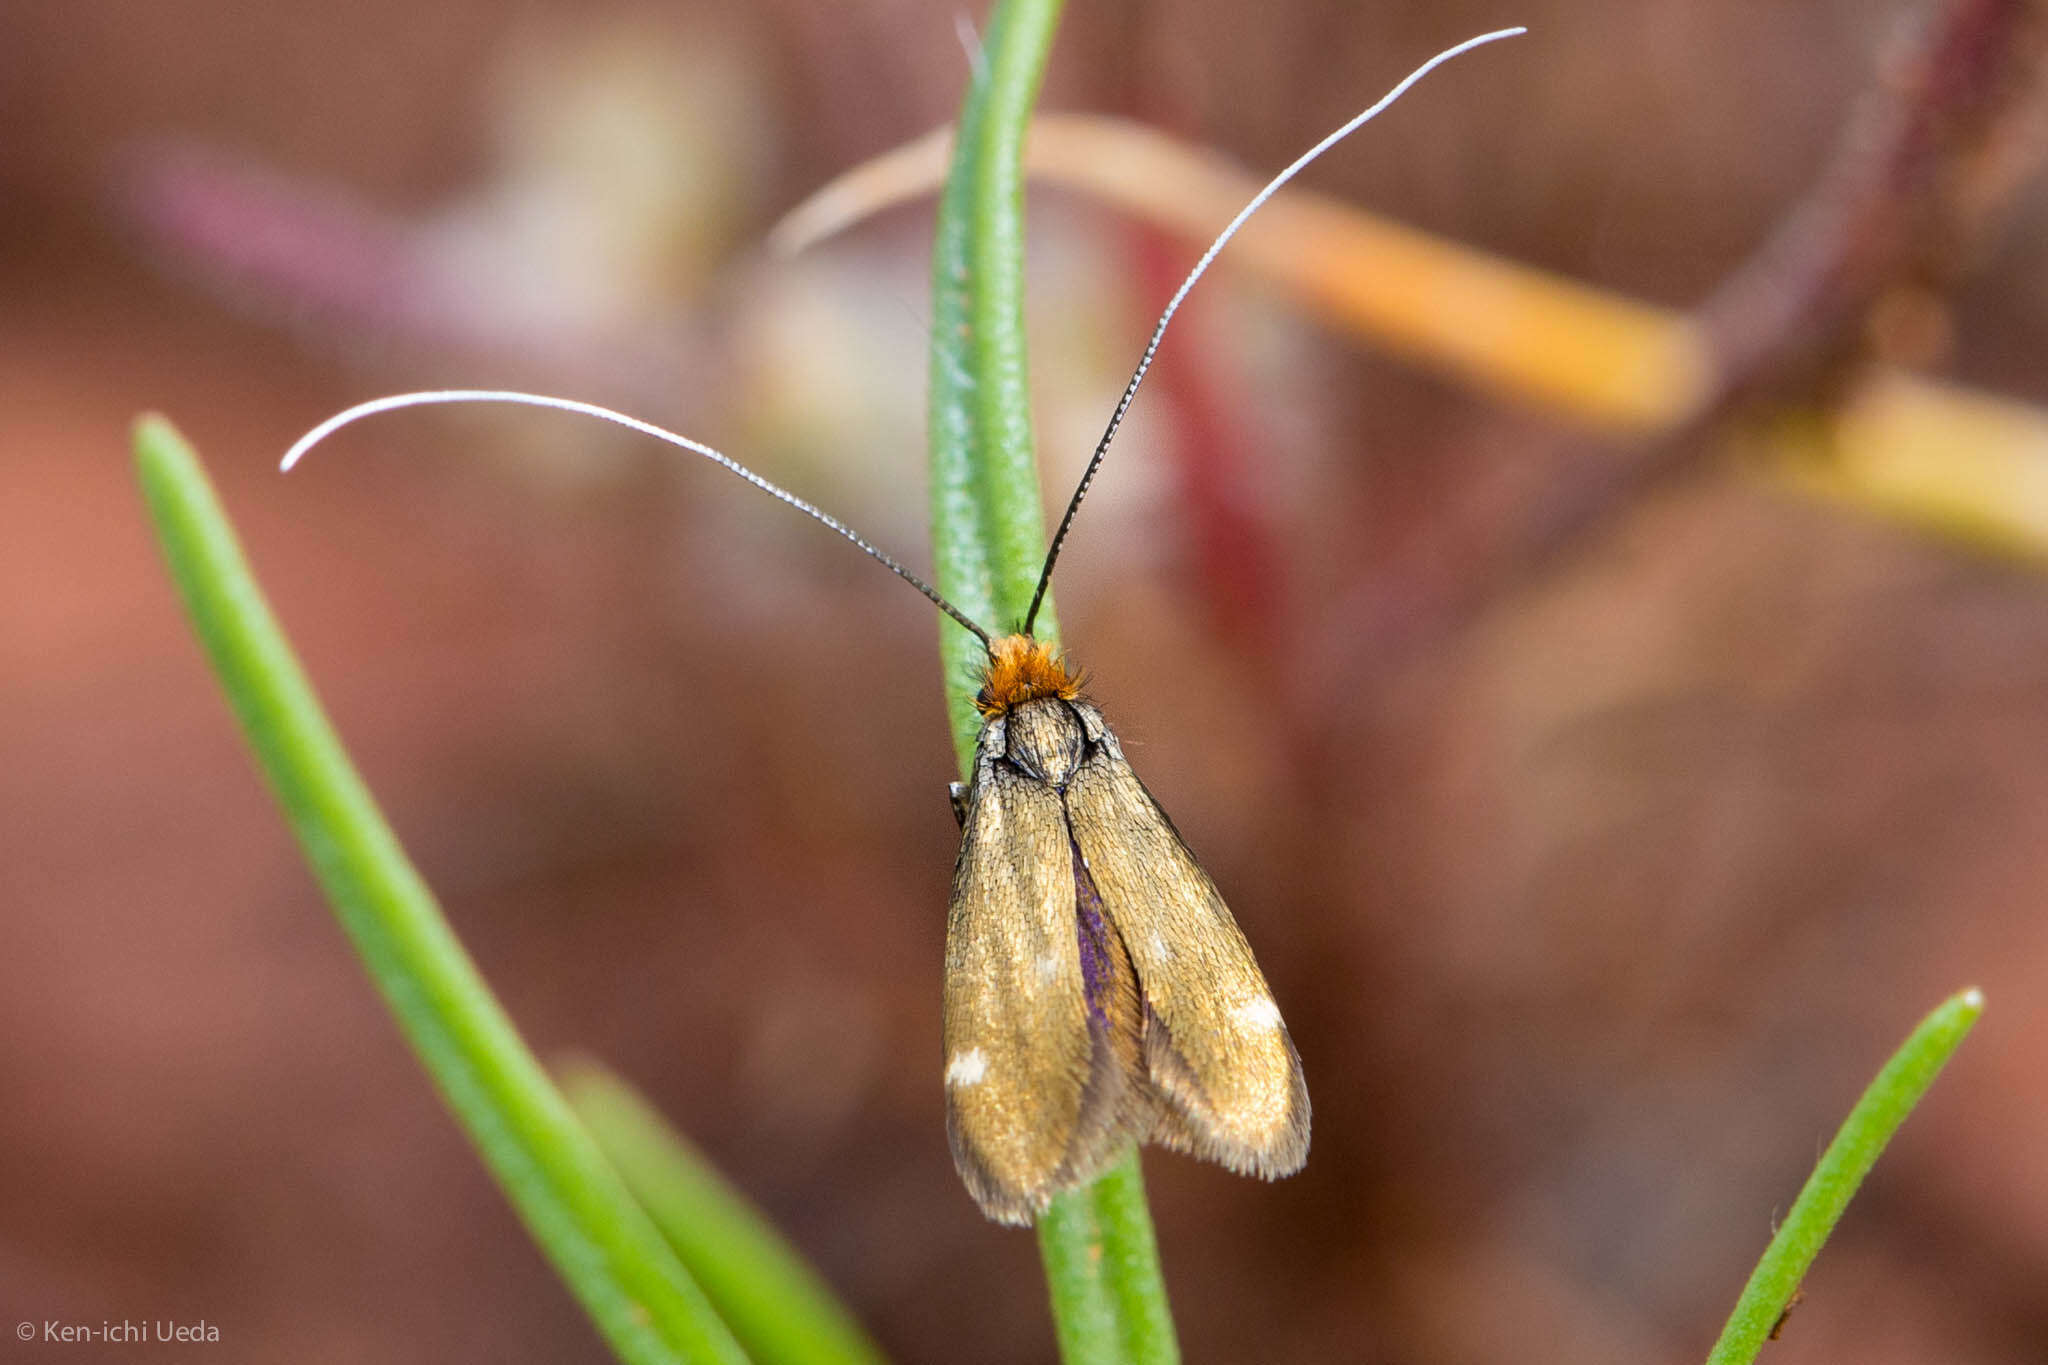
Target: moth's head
[(1022, 669)]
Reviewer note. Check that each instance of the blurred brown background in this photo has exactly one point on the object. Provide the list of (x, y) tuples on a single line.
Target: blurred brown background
[(1591, 912)]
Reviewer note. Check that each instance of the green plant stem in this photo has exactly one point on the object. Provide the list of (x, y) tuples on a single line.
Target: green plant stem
[(988, 539), (782, 1313), (1102, 1266), (578, 1210), (988, 522), (1834, 1181)]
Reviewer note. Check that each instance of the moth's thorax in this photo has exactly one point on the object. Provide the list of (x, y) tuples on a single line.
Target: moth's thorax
[(1044, 739), (1021, 669)]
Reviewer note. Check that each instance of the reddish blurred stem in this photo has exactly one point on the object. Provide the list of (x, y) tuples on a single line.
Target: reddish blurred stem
[(1210, 450), (306, 256), (1935, 151)]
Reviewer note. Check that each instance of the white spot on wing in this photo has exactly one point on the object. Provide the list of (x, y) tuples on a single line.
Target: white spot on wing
[(1049, 966), (967, 1068), (1160, 952), (1258, 1013)]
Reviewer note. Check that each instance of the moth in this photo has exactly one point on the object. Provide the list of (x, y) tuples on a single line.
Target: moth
[(1098, 992)]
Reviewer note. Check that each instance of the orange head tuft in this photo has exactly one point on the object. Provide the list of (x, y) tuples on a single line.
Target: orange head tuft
[(1021, 669)]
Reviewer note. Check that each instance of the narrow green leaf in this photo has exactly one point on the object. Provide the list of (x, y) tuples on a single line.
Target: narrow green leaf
[(578, 1210), (988, 539), (782, 1313), (1834, 1181)]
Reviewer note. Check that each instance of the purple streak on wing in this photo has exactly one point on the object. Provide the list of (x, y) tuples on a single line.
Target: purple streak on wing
[(1091, 928)]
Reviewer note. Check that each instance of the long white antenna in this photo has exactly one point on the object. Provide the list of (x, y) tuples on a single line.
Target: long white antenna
[(398, 401), (541, 400), (1222, 238)]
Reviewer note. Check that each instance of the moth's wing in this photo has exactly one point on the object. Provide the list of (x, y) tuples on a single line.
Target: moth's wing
[(1031, 1092), (1214, 1045)]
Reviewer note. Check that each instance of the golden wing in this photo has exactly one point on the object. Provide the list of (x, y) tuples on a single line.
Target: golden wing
[(1037, 1064), (1215, 1048)]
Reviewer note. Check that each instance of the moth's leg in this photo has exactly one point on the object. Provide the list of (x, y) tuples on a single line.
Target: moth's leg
[(957, 793)]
